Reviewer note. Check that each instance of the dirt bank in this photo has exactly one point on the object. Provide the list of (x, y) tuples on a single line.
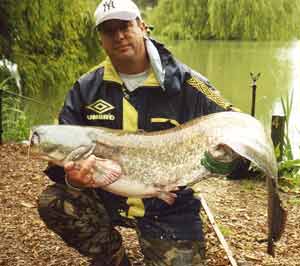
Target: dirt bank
[(239, 208)]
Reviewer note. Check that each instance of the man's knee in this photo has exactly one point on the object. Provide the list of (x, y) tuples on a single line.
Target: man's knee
[(80, 219), (59, 200), (55, 202), (173, 253)]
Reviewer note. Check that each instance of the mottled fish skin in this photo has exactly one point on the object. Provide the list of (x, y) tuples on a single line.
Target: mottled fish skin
[(162, 158), (169, 157)]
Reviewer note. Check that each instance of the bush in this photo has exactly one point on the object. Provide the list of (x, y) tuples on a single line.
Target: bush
[(15, 124)]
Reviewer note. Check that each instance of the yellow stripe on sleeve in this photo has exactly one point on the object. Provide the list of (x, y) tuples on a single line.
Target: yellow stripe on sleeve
[(209, 93)]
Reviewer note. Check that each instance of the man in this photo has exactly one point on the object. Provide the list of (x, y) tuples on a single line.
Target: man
[(140, 86)]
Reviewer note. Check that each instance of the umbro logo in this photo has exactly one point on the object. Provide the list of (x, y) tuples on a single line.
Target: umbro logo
[(108, 5), (100, 107)]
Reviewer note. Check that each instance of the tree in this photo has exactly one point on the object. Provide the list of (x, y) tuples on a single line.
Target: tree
[(227, 19), (53, 42)]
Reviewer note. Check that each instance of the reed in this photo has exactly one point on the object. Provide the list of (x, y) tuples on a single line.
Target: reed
[(15, 124), (289, 167)]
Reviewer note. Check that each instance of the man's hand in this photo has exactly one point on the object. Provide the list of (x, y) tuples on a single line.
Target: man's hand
[(223, 153), (79, 174), (93, 172)]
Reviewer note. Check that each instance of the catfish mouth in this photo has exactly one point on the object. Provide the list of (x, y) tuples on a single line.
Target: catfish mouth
[(34, 142), (37, 149), (34, 149), (34, 139)]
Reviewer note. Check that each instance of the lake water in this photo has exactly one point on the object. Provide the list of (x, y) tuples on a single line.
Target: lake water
[(228, 65)]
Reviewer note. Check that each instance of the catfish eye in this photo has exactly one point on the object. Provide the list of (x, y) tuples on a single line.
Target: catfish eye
[(35, 139)]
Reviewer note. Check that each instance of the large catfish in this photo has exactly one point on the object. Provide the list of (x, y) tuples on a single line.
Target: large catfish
[(154, 163)]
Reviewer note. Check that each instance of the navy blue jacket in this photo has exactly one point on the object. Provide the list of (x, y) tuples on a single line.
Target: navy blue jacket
[(99, 98)]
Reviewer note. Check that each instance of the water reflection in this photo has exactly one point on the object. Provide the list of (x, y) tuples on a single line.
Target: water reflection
[(228, 66)]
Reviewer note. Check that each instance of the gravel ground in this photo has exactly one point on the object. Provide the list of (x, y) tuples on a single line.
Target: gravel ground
[(239, 207)]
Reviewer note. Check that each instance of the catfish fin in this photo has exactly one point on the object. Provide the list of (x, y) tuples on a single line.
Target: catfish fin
[(107, 151), (80, 153)]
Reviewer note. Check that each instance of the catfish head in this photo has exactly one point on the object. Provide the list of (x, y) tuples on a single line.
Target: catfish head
[(59, 144)]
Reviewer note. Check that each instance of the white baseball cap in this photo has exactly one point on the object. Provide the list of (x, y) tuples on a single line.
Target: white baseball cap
[(116, 9)]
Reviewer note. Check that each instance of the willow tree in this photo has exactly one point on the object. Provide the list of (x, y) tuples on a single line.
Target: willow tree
[(53, 42), (227, 19), (254, 20), (146, 3), (180, 19)]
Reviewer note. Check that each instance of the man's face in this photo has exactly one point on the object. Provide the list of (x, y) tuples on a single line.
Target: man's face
[(122, 40)]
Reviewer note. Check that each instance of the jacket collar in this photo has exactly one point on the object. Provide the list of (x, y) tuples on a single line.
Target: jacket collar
[(110, 74), (174, 72)]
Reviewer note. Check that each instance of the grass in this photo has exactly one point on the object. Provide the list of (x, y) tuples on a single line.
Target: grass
[(287, 105), (225, 230), (248, 185), (15, 124), (290, 182), (289, 167), (294, 201)]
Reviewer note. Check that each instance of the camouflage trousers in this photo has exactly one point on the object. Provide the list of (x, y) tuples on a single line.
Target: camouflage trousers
[(81, 220)]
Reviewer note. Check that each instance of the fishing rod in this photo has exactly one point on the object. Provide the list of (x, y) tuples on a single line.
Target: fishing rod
[(23, 97)]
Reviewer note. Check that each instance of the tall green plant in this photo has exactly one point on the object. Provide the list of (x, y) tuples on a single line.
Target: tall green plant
[(287, 105), (289, 168), (14, 121), (227, 19)]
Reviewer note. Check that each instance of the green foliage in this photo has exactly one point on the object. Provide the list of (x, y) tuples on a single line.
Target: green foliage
[(227, 19), (14, 121), (294, 201), (16, 125), (288, 164), (290, 182), (226, 231), (179, 20), (145, 3), (288, 168), (287, 105), (248, 184), (53, 42)]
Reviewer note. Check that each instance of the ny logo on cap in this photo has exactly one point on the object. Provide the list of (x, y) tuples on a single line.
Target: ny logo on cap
[(108, 5)]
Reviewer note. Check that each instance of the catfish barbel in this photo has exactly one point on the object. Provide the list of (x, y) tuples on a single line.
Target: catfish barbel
[(153, 163)]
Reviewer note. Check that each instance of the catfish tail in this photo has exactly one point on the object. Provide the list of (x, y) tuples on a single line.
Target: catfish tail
[(277, 216)]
